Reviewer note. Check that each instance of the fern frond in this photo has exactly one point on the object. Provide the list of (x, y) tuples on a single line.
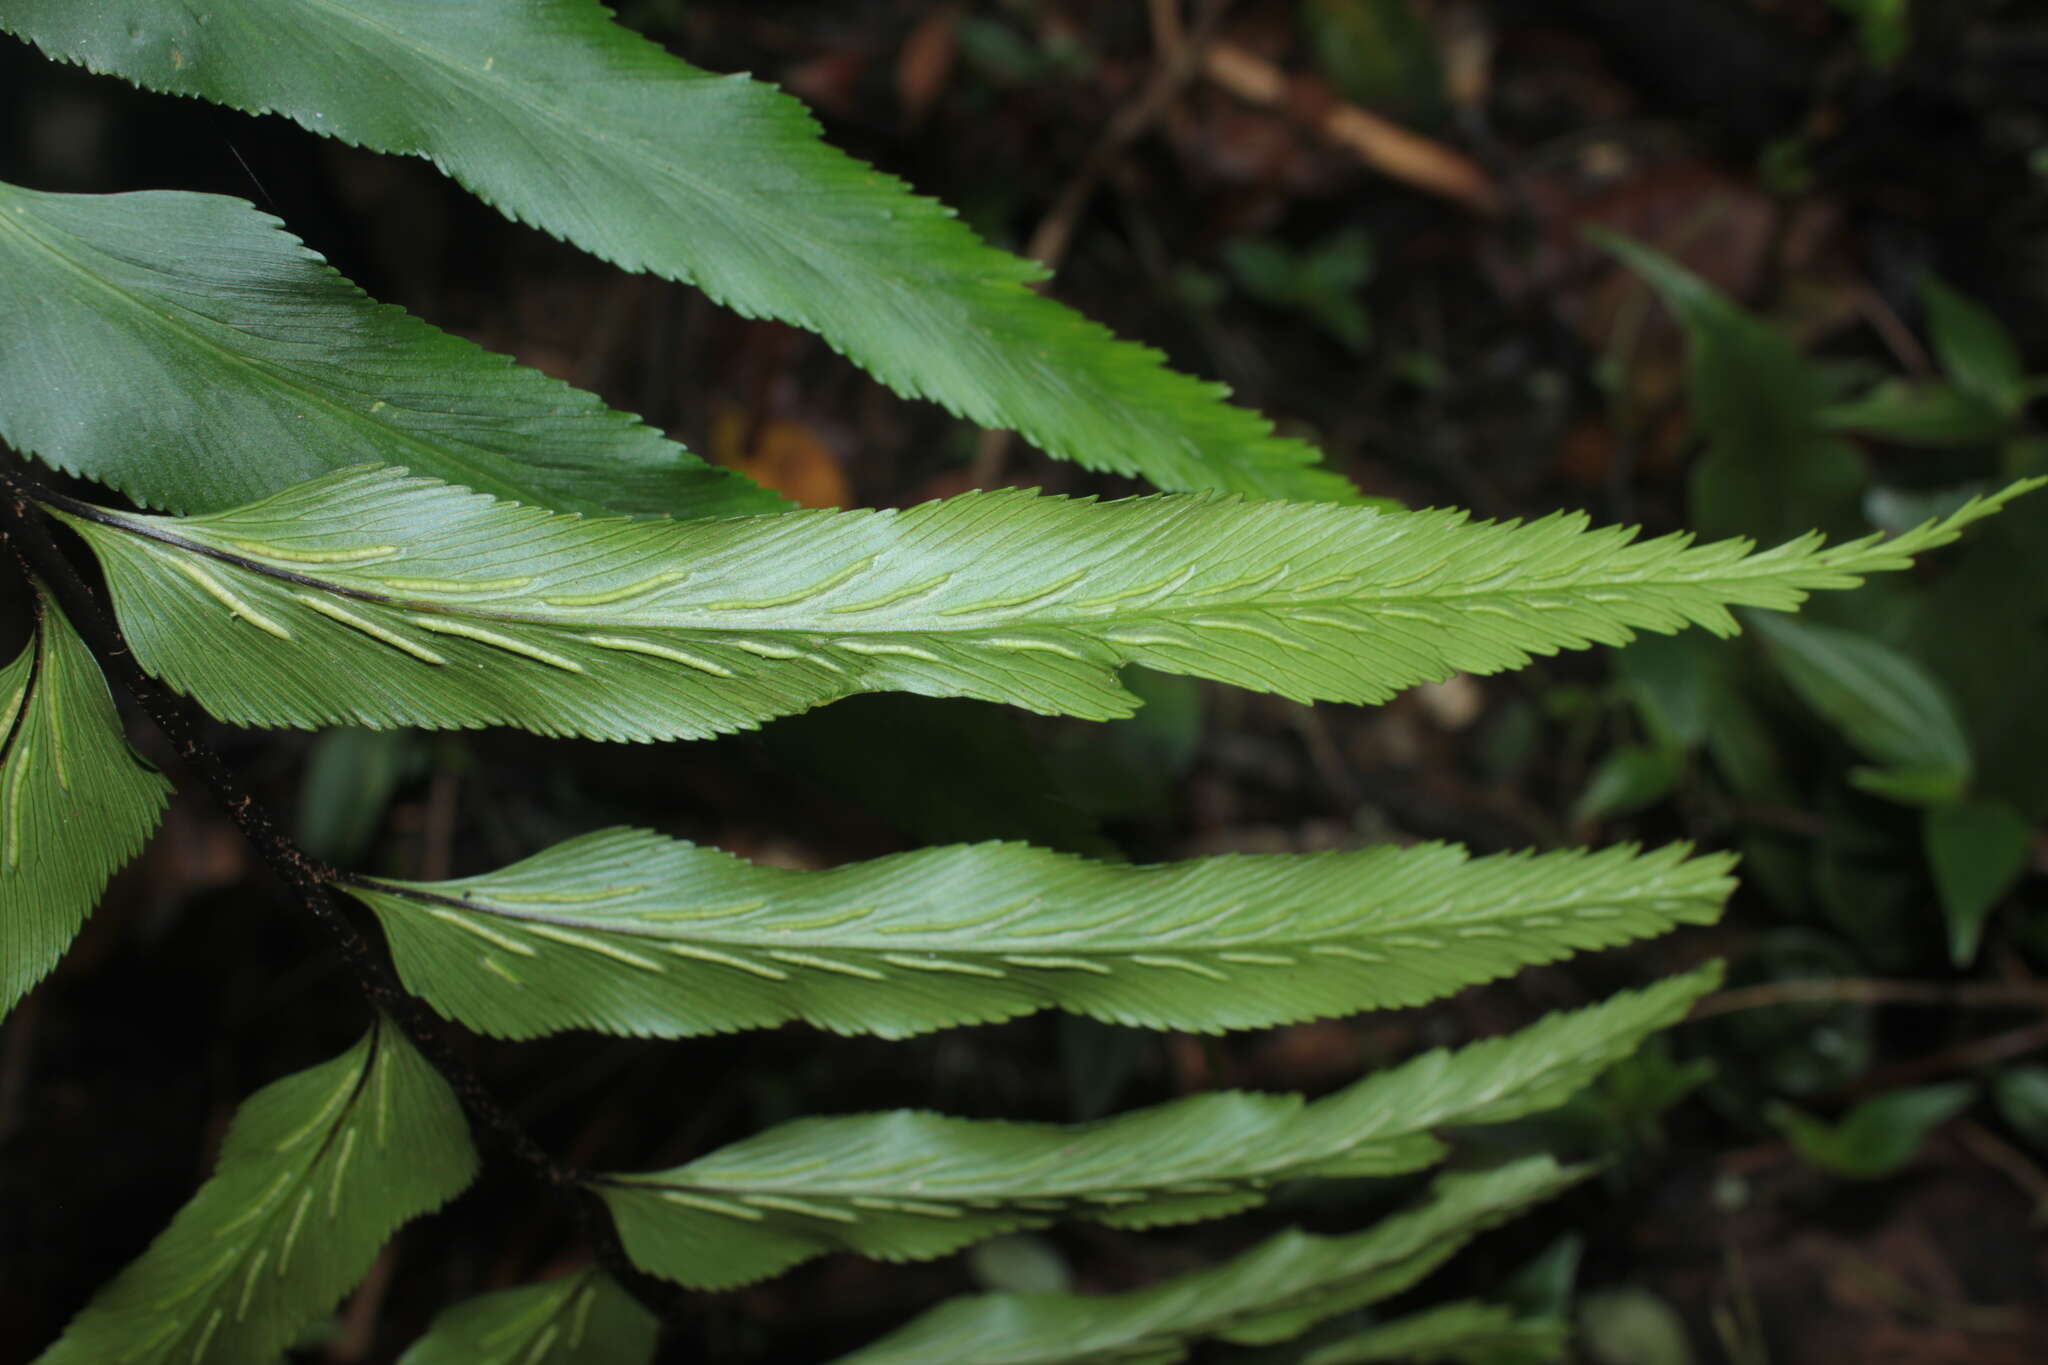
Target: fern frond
[(1467, 1333), (911, 1186), (1271, 1293), (76, 803), (564, 120), (623, 931), (317, 1170), (368, 597), (581, 1319), (188, 351)]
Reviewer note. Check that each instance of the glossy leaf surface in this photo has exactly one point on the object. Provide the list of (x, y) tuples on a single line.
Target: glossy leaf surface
[(188, 351), (562, 119)]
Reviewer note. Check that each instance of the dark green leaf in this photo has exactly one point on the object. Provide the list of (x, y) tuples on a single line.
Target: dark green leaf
[(1975, 349), (188, 351), (581, 1319), (1672, 679), (562, 119), (1628, 779), (76, 803), (317, 1170), (1978, 849), (1883, 27), (1321, 283), (1925, 414), (2022, 1096), (1379, 53), (1769, 469), (1879, 1136), (1882, 701), (351, 775)]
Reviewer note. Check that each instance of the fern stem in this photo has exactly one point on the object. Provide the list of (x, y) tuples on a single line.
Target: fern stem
[(44, 561)]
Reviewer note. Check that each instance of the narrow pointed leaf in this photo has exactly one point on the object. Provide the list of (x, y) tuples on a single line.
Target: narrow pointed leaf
[(1271, 1293), (1468, 1333), (1975, 349), (627, 932), (368, 597), (910, 1186), (187, 350), (562, 119), (76, 803), (317, 1170), (1881, 700), (582, 1319)]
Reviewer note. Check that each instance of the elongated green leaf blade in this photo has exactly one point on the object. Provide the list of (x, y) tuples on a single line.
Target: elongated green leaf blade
[(1881, 700), (317, 1170), (627, 932), (561, 119), (1976, 350), (1269, 1294), (76, 803), (367, 597), (910, 1186), (1469, 1333), (582, 1319), (188, 351), (1771, 467)]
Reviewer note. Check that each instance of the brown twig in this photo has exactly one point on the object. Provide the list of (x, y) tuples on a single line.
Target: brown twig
[(1966, 1056), (23, 527), (2009, 1160), (1416, 161), (1966, 995)]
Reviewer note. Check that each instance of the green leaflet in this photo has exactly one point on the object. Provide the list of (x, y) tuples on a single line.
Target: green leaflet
[(1469, 1333), (188, 351), (910, 1186), (624, 931), (1771, 467), (581, 1319), (367, 597), (561, 119), (317, 1170), (76, 803), (1273, 1292)]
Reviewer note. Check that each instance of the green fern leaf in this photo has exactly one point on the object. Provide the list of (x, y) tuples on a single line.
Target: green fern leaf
[(627, 932), (317, 1170), (582, 1319), (76, 803), (911, 1186), (367, 597), (562, 119), (188, 351), (1468, 1333), (1271, 1293)]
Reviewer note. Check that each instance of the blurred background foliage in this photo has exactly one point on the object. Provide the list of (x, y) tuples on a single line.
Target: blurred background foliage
[(1747, 267)]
